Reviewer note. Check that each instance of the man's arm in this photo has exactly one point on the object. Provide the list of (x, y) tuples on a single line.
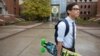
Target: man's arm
[(61, 32), (59, 48)]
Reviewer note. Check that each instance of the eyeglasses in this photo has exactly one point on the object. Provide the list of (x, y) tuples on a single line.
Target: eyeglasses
[(75, 9)]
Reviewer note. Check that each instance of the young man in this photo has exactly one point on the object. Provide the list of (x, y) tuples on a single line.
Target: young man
[(68, 41)]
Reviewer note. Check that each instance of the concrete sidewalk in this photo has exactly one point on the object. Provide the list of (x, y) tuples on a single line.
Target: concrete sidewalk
[(93, 31), (7, 31)]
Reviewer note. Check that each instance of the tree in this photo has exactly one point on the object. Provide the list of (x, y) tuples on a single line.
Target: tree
[(34, 9)]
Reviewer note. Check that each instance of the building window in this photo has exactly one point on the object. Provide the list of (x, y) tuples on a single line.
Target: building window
[(81, 12), (88, 12), (80, 0), (84, 12), (81, 6), (84, 18), (75, 0), (88, 17), (0, 10), (85, 0), (85, 6), (15, 11), (88, 6), (90, 0)]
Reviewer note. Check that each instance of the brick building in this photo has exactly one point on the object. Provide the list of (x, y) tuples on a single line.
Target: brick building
[(89, 8), (12, 6), (98, 9), (9, 10)]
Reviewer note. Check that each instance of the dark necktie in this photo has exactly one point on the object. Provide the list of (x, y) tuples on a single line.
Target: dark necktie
[(73, 34)]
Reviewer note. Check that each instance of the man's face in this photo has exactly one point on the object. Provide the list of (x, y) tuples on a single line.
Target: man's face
[(75, 12)]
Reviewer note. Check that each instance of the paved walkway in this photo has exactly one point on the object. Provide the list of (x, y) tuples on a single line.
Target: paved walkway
[(7, 31), (94, 31)]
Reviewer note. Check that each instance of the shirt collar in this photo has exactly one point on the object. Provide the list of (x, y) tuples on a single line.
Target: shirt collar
[(69, 19)]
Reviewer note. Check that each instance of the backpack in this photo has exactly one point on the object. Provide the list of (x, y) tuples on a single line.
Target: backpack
[(56, 29)]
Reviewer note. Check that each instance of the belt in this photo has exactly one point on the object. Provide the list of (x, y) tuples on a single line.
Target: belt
[(70, 49)]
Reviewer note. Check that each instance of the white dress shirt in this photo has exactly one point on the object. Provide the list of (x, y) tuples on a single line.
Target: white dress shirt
[(68, 39)]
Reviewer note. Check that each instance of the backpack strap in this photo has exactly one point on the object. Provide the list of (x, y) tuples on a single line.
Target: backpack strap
[(56, 29), (67, 27)]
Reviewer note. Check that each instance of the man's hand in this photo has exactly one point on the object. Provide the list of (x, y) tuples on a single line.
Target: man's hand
[(59, 48)]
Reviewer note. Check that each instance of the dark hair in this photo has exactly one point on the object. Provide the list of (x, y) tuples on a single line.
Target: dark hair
[(70, 6)]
